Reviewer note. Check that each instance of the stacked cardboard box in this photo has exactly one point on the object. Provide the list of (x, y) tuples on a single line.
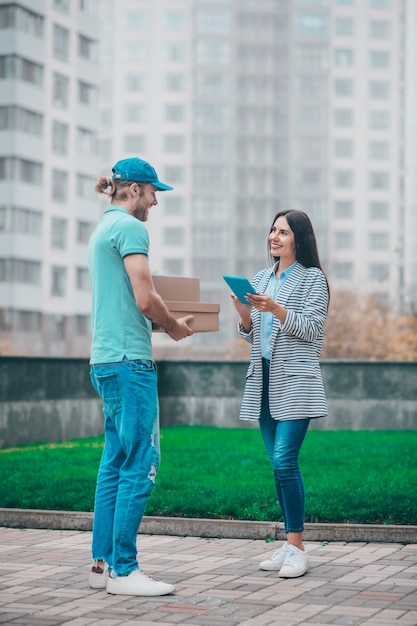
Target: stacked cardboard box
[(182, 297)]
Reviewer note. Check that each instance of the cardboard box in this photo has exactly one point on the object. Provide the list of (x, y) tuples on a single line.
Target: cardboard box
[(177, 288), (182, 297)]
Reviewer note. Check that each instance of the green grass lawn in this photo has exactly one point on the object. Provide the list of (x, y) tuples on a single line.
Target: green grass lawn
[(349, 476)]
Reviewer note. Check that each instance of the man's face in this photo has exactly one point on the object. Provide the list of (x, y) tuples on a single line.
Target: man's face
[(145, 198)]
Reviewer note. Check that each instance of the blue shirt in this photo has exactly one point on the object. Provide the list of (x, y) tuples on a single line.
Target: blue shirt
[(118, 327), (267, 319)]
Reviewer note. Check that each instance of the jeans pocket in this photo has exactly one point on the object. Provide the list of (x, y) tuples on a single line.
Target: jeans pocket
[(142, 365), (107, 386)]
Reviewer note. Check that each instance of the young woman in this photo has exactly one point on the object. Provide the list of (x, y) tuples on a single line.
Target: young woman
[(284, 388)]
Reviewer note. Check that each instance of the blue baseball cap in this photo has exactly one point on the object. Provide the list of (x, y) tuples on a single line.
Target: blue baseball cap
[(138, 171)]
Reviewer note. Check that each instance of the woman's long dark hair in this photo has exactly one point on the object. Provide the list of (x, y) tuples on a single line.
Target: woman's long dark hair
[(306, 251)]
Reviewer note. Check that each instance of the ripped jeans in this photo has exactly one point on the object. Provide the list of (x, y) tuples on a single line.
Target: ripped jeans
[(130, 458)]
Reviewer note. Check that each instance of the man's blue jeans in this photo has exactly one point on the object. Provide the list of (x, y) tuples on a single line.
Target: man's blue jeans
[(283, 440), (130, 459)]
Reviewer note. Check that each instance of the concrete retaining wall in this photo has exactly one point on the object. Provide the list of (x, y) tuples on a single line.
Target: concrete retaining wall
[(51, 399)]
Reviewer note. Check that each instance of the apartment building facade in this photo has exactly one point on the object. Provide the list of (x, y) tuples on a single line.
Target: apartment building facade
[(246, 107), (48, 166)]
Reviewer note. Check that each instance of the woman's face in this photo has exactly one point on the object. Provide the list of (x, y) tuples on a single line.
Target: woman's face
[(282, 241)]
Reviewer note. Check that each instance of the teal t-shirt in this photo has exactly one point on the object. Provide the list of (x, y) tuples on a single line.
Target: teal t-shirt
[(118, 327)]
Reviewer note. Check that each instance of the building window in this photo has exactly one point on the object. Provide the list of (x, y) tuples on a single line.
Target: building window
[(58, 327), (378, 271), (59, 138), (342, 270), (60, 91), (21, 170), (211, 114), (379, 150), (19, 220), (134, 113), (174, 144), (212, 52), (83, 232), (343, 87), (82, 279), (209, 146), (379, 90), (88, 6), (211, 207), (58, 233), (60, 43), (173, 236), (379, 119), (134, 143), (379, 29), (344, 57), (17, 118), (58, 281), (135, 20), (174, 173), (343, 117), (174, 112), (312, 56), (379, 59), (311, 25), (15, 67), (343, 148), (174, 82), (215, 20), (379, 211), (87, 48), (82, 324), (380, 4), (312, 117), (134, 82), (20, 271), (20, 18), (379, 241), (379, 180), (134, 51), (175, 20), (59, 186), (87, 94), (62, 6), (175, 51), (87, 141), (206, 175), (212, 84), (343, 209), (343, 179), (173, 267), (209, 239), (85, 187), (343, 240), (173, 205), (344, 26)]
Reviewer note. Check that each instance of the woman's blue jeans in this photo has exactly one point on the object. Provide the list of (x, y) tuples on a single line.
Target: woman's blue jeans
[(283, 440), (130, 458)]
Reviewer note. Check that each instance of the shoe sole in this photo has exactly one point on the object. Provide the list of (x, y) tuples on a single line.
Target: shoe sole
[(293, 575), (144, 594)]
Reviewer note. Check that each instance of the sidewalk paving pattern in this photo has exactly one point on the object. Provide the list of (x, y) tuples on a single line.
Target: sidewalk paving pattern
[(44, 583)]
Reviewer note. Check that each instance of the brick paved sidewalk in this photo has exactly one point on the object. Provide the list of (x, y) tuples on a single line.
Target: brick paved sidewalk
[(44, 583)]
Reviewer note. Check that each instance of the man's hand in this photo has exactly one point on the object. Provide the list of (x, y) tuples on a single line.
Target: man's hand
[(180, 329)]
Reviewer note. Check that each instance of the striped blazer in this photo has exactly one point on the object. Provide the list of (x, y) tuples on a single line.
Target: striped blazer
[(296, 388)]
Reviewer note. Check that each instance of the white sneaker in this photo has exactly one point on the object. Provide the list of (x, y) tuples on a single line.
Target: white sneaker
[(276, 561), (295, 563), (98, 577), (137, 584)]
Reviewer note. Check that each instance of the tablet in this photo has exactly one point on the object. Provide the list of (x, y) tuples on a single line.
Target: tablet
[(240, 287)]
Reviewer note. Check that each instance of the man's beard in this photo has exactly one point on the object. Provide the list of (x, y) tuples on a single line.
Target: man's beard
[(141, 211)]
